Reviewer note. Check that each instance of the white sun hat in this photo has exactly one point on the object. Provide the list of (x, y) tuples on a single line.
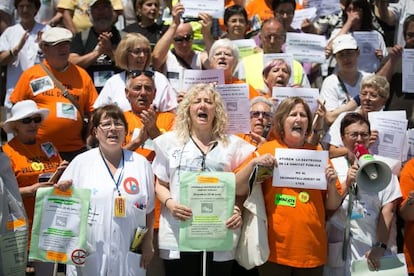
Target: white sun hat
[(21, 110)]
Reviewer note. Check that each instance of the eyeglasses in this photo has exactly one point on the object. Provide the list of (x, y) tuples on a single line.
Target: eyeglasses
[(187, 37), (370, 96), (257, 114), (107, 125), (29, 120), (282, 12), (136, 73), (355, 135), (409, 35), (279, 37), (138, 51)]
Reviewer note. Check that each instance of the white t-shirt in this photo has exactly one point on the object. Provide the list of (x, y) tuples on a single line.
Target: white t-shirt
[(364, 229), (333, 94), (171, 158), (27, 57), (114, 92), (109, 238)]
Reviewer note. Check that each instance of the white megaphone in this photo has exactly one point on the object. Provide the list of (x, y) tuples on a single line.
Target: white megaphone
[(373, 175)]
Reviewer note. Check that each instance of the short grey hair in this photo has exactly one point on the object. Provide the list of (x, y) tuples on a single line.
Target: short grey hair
[(261, 99)]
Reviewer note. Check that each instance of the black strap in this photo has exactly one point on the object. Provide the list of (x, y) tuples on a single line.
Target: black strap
[(65, 91), (181, 60), (342, 84)]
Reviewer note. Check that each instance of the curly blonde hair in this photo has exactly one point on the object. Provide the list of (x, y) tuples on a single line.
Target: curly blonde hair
[(183, 121)]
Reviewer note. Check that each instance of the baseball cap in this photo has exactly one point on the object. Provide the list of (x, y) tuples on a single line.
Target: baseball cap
[(93, 2), (344, 42), (56, 35)]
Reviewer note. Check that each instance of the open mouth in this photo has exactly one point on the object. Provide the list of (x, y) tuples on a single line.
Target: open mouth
[(297, 129), (202, 115)]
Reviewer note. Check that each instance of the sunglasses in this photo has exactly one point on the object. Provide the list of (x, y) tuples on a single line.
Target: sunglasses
[(264, 114), (28, 120), (136, 73), (187, 37)]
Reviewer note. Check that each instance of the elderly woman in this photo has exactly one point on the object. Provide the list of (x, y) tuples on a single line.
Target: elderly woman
[(225, 55), (261, 118), (296, 234), (198, 143), (372, 219), (236, 22), (33, 161), (123, 199), (134, 54), (276, 74), (373, 95)]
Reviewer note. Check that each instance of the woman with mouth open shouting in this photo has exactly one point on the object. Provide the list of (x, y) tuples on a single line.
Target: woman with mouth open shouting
[(296, 216), (122, 199), (197, 145)]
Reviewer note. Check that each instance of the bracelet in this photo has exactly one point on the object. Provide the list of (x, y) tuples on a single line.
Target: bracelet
[(165, 202), (380, 245), (410, 201)]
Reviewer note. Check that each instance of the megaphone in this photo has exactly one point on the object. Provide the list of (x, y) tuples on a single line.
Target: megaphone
[(373, 175)]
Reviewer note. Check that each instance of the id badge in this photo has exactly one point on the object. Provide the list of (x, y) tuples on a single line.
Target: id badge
[(119, 206), (357, 210)]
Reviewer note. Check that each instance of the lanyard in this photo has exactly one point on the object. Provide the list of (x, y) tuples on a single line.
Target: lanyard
[(116, 182), (203, 154)]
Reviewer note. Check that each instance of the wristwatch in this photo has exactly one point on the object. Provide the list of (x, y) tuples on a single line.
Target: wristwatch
[(380, 245)]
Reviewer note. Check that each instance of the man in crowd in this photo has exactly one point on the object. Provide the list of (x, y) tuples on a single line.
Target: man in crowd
[(63, 127)]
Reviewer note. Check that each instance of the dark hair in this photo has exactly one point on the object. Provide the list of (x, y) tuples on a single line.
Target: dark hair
[(352, 118), (35, 2), (407, 22), (234, 10), (276, 3), (367, 18), (111, 111)]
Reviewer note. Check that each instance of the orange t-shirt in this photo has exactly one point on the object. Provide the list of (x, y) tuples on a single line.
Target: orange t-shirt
[(63, 125), (407, 185), (252, 92), (296, 234), (260, 8), (21, 158), (165, 121)]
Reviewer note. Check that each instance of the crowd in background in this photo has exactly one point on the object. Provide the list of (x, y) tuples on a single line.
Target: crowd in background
[(93, 89)]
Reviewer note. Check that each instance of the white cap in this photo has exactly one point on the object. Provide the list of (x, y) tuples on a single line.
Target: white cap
[(344, 42), (21, 110), (56, 35)]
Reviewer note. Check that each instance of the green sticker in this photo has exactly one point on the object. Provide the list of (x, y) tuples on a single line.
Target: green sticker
[(285, 200)]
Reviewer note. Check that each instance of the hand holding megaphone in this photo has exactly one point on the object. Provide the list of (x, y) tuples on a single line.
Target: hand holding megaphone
[(363, 156), (373, 175)]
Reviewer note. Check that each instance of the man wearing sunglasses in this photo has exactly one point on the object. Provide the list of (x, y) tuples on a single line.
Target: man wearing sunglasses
[(144, 121), (182, 56)]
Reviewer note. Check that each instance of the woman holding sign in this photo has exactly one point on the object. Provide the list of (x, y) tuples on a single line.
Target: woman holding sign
[(122, 200), (198, 146), (33, 161), (296, 216)]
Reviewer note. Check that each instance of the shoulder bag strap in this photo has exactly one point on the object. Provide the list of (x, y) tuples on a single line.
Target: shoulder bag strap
[(181, 60), (342, 84), (66, 93)]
